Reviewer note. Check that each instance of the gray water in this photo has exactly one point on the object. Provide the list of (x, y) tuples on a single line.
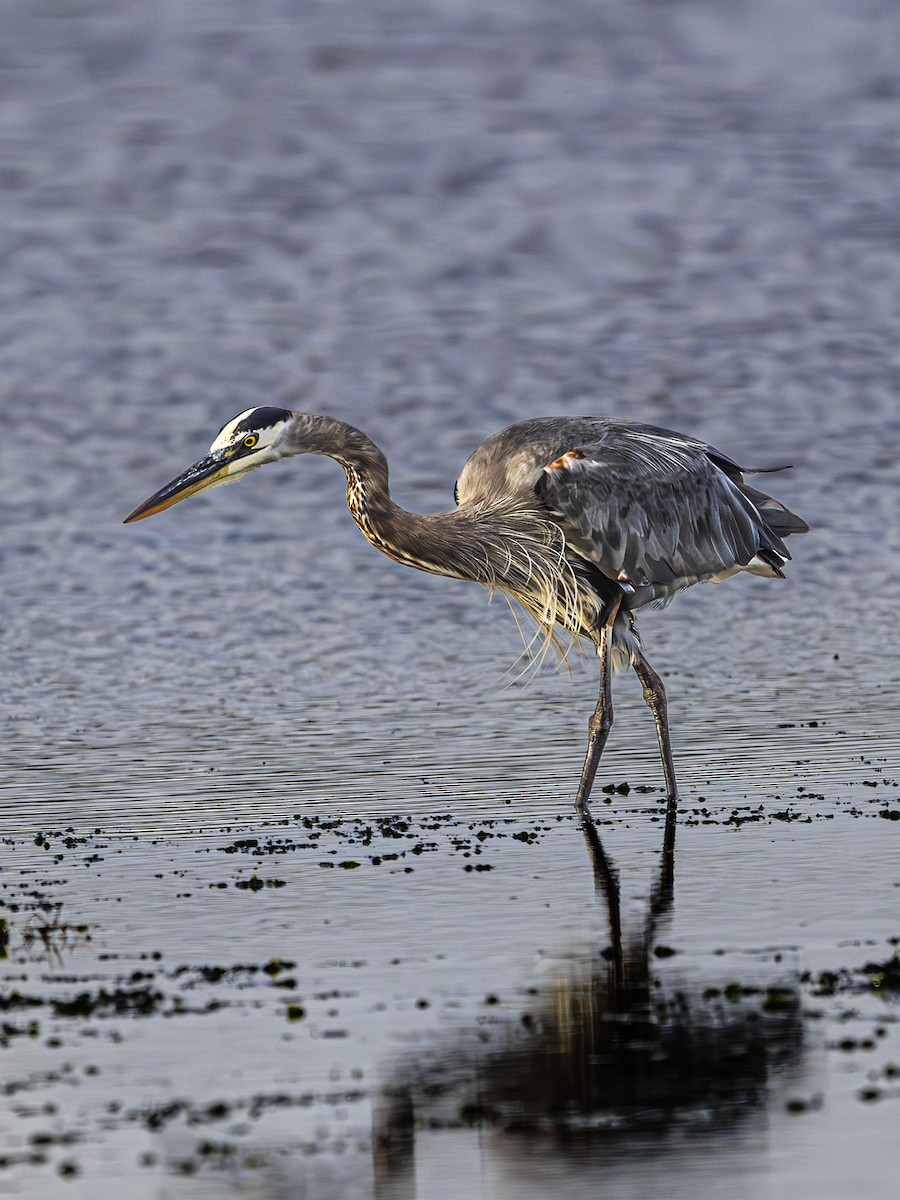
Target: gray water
[(219, 724)]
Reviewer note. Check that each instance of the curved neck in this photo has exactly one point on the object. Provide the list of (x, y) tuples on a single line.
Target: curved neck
[(506, 544), (425, 542), (357, 454)]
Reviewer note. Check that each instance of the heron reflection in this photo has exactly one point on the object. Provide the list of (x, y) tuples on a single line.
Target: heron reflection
[(611, 1051)]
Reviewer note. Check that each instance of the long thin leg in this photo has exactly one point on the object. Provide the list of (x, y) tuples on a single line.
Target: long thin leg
[(602, 719), (655, 695)]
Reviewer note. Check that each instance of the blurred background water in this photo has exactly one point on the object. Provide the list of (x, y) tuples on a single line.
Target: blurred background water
[(431, 220)]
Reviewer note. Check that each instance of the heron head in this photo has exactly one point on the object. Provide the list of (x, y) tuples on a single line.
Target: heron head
[(242, 445)]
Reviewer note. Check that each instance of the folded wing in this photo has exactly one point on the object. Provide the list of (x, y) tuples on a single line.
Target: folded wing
[(657, 511)]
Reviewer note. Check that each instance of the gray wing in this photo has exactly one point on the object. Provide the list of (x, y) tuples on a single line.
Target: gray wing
[(656, 511)]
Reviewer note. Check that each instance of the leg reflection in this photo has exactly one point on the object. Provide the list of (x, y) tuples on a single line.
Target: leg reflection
[(630, 973), (393, 1145), (617, 1047)]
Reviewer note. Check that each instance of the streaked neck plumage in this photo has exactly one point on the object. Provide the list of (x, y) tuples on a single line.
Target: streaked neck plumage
[(505, 543), (434, 543)]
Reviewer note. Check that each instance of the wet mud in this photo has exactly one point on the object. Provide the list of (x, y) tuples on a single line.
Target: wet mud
[(628, 1034)]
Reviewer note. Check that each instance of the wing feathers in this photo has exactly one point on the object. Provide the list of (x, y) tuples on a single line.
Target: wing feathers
[(657, 511)]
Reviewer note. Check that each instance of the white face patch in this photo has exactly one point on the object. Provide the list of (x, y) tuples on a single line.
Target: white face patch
[(262, 424), (225, 436)]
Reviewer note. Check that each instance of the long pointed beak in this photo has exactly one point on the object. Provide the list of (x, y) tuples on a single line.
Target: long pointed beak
[(207, 472)]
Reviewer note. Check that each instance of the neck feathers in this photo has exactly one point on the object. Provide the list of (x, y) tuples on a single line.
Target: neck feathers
[(515, 551), (504, 546)]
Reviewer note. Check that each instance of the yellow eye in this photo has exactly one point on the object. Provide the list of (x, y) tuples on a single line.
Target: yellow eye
[(250, 440)]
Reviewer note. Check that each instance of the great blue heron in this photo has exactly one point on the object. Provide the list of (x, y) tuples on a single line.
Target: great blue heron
[(582, 521)]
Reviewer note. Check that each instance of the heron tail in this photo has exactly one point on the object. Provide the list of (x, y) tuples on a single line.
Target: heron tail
[(779, 519)]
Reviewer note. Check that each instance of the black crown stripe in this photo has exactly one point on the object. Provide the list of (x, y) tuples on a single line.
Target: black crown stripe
[(261, 418)]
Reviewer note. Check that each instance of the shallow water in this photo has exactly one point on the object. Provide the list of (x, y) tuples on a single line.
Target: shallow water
[(253, 774)]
